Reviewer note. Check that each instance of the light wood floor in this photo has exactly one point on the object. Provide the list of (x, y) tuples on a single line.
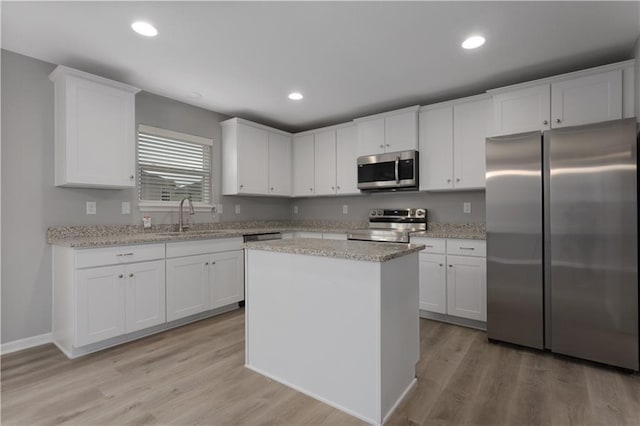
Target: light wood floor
[(195, 375)]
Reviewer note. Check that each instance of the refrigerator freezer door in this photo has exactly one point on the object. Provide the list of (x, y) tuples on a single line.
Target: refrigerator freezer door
[(514, 239), (593, 242)]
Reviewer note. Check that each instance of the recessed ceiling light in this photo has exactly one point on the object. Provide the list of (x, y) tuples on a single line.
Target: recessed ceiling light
[(194, 95), (473, 42), (144, 28), (295, 96)]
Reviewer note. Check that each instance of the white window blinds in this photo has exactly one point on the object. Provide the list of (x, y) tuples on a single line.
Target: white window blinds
[(173, 165)]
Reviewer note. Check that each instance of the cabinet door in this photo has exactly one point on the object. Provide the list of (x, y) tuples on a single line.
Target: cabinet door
[(303, 166), (100, 136), (401, 132), (436, 149), (145, 295), (470, 129), (523, 110), (433, 283), (100, 305), (253, 160), (279, 164), (187, 286), (227, 278), (371, 137), (325, 163), (467, 287), (346, 160), (587, 99)]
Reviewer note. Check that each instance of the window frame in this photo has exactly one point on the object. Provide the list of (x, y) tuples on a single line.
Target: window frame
[(167, 206)]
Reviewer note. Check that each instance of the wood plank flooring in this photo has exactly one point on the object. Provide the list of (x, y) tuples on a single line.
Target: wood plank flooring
[(194, 375)]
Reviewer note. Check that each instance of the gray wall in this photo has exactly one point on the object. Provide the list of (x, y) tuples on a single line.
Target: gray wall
[(31, 203), (442, 206)]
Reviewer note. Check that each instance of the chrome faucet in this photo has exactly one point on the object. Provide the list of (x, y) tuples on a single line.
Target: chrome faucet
[(182, 227)]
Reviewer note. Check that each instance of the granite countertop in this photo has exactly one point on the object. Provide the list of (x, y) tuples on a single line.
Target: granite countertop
[(115, 235), (341, 249)]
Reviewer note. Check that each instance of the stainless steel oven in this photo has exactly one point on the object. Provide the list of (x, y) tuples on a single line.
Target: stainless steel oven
[(392, 171)]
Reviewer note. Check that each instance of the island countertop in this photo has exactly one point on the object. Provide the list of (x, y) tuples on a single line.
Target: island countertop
[(352, 250)]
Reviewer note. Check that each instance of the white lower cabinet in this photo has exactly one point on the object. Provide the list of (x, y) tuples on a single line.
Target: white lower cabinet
[(226, 281), (187, 286), (467, 287), (144, 295), (450, 283), (433, 283)]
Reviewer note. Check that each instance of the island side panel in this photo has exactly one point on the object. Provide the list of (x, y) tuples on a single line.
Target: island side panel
[(313, 324), (400, 329)]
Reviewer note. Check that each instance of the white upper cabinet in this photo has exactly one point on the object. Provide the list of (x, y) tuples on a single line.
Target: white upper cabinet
[(589, 96), (346, 160), (471, 122), (452, 145), (388, 132), (303, 165), (325, 162), (253, 164), (95, 130), (587, 99), (279, 164), (436, 149), (255, 159), (522, 110)]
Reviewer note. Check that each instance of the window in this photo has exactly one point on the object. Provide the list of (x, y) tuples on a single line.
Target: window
[(172, 166)]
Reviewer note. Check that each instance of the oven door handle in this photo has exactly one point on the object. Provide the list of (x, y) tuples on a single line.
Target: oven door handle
[(397, 171)]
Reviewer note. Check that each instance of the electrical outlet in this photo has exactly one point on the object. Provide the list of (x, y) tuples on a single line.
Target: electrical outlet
[(467, 207), (345, 209), (295, 209), (126, 207), (91, 207), (237, 208)]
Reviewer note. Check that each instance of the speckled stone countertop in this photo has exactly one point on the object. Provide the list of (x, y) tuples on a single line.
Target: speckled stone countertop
[(115, 235), (464, 231), (352, 250)]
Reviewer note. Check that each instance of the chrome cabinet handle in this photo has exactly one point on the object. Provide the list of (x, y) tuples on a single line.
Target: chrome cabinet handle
[(558, 120), (450, 266), (124, 254), (545, 122), (388, 145), (120, 276), (467, 248), (131, 275), (441, 265), (213, 263), (131, 177), (310, 189), (333, 187), (206, 263), (427, 245), (381, 146), (272, 188), (448, 180), (337, 187), (457, 179)]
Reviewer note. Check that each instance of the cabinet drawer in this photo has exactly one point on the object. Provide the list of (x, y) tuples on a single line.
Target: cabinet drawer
[(432, 245), (467, 247), (190, 248), (90, 257)]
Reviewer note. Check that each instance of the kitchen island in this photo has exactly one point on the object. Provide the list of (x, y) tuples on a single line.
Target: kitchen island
[(336, 320)]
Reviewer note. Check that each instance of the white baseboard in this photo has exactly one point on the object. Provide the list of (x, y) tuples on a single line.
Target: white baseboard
[(26, 343)]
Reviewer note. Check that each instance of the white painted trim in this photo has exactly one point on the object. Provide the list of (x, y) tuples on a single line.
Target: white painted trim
[(454, 102), (169, 206), (313, 395), (170, 134), (237, 120), (326, 128), (388, 113), (62, 71), (397, 403), (26, 343), (567, 76)]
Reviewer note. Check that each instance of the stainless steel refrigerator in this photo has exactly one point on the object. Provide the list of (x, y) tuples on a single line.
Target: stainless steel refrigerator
[(562, 241)]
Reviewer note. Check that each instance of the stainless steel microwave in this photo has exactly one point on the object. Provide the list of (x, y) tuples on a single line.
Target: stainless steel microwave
[(392, 171)]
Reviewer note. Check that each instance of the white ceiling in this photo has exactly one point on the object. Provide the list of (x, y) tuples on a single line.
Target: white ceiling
[(348, 59)]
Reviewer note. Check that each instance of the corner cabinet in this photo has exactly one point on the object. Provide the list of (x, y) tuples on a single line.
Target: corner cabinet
[(256, 159), (388, 132), (452, 144), (589, 96), (94, 130)]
